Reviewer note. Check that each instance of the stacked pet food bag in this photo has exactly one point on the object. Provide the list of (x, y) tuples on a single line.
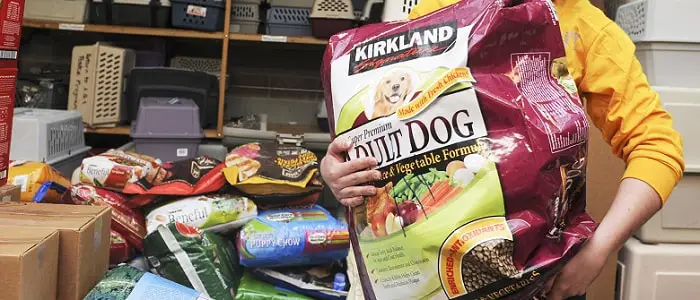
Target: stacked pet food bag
[(246, 228)]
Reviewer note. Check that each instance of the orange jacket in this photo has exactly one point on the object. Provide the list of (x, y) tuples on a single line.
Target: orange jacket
[(619, 100)]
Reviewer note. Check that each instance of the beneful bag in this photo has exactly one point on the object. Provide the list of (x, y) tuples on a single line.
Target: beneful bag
[(481, 140)]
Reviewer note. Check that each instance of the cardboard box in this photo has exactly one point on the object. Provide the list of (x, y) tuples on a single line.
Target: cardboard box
[(8, 82), (114, 64), (29, 263), (11, 15), (10, 194), (83, 238)]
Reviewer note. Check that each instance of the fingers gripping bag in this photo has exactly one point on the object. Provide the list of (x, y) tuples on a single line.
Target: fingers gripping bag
[(481, 146)]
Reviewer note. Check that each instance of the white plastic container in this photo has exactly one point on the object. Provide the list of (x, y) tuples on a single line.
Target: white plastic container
[(679, 220), (674, 223), (658, 272), (660, 20), (73, 11), (670, 64), (684, 106), (55, 137)]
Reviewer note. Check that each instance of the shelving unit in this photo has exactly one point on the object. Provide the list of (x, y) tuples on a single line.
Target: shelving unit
[(125, 130), (225, 36)]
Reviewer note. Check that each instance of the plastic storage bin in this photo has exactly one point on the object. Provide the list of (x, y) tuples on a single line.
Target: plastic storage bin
[(167, 128), (329, 17), (73, 11), (679, 220), (245, 18), (660, 20), (292, 3), (658, 272), (144, 13), (206, 15), (174, 83), (213, 150), (289, 21), (684, 106), (97, 79), (671, 64), (55, 137), (673, 224)]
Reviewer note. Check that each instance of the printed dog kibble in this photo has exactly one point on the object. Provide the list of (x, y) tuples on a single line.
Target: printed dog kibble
[(480, 137)]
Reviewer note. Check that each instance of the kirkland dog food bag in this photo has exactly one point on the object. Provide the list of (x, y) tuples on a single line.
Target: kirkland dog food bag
[(293, 237), (274, 175), (482, 147), (220, 213)]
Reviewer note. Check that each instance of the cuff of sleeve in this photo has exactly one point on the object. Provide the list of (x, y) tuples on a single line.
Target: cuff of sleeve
[(658, 175)]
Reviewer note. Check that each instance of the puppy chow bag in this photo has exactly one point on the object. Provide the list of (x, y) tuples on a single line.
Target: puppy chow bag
[(481, 140)]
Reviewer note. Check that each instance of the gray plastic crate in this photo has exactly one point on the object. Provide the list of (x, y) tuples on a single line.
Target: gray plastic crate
[(289, 21), (167, 128), (206, 15)]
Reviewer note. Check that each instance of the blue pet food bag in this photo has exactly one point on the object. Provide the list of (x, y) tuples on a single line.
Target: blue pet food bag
[(293, 237)]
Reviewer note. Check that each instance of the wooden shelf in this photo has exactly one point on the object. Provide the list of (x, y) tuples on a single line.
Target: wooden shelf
[(127, 30), (308, 40), (170, 32), (125, 130)]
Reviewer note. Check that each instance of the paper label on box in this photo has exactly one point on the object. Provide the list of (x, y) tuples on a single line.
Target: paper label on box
[(156, 288), (274, 38), (21, 182), (182, 152), (198, 11), (72, 27)]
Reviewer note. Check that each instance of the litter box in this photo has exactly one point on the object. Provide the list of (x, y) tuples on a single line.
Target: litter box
[(167, 128)]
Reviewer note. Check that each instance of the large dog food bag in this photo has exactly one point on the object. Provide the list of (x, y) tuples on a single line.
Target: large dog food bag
[(220, 213), (481, 140), (274, 175), (293, 237)]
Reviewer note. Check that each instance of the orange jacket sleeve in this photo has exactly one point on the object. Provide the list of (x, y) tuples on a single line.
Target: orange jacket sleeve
[(623, 106)]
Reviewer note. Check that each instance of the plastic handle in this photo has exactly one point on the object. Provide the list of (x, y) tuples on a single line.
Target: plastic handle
[(368, 8)]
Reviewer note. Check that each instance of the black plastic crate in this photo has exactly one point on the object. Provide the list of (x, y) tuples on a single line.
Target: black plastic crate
[(205, 15), (201, 87), (142, 13)]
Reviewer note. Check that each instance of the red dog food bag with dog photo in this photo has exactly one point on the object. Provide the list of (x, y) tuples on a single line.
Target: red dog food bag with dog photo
[(481, 139)]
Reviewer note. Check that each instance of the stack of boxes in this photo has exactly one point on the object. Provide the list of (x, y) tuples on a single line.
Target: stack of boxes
[(662, 260)]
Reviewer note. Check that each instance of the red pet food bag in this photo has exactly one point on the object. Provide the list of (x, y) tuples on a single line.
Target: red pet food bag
[(481, 139)]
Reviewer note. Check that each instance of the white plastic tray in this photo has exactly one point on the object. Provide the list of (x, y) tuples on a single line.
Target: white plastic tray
[(671, 64), (658, 272)]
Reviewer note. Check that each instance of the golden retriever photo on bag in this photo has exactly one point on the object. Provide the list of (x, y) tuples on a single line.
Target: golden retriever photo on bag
[(391, 93)]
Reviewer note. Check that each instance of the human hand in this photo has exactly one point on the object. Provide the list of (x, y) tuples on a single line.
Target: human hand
[(578, 274), (347, 180)]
